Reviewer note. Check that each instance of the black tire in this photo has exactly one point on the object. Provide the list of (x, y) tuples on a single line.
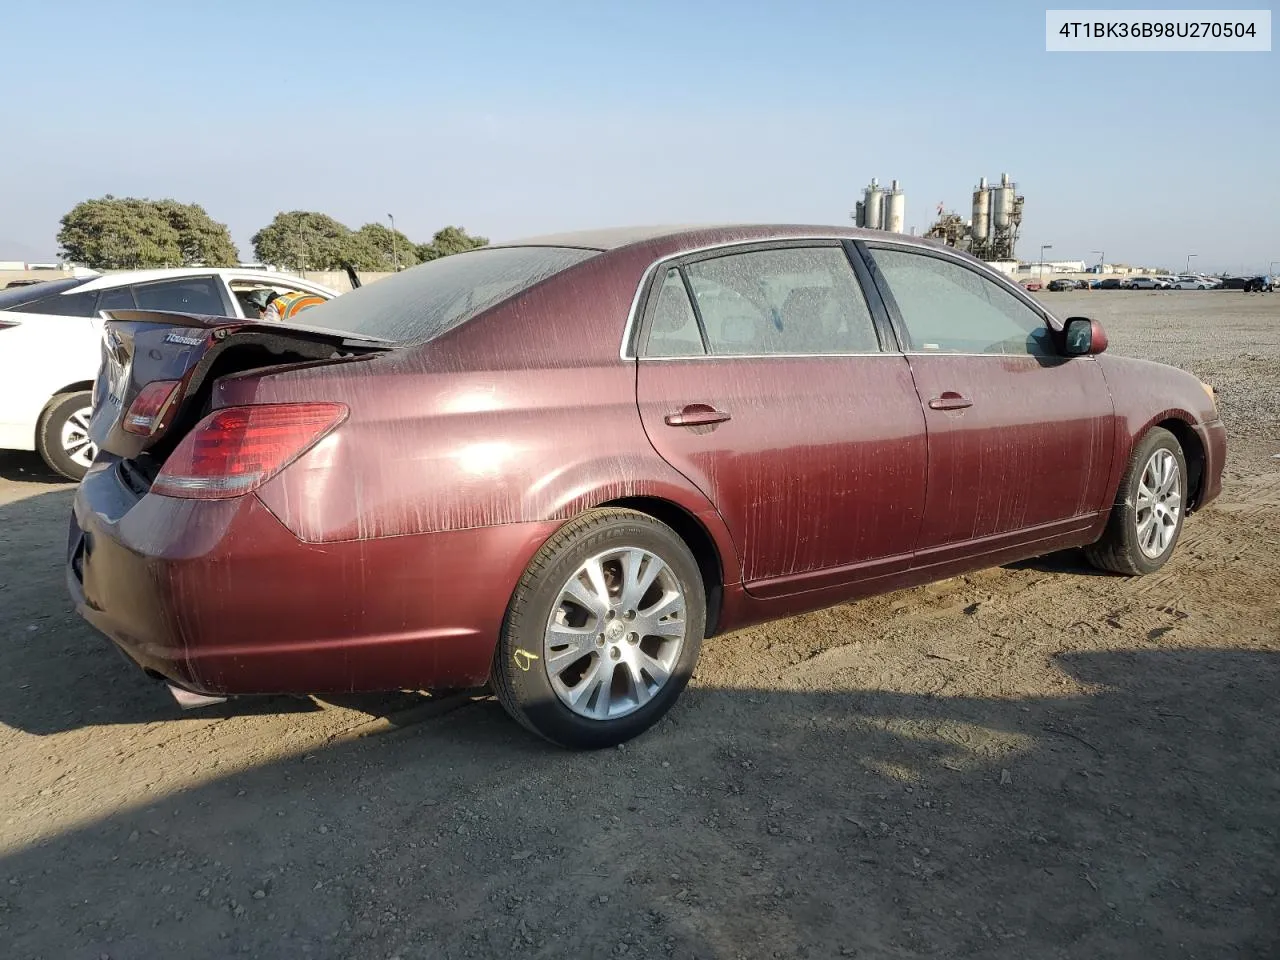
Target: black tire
[(1118, 550), (49, 432), (520, 674)]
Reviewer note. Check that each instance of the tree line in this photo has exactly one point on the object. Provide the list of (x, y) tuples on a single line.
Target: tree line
[(122, 233)]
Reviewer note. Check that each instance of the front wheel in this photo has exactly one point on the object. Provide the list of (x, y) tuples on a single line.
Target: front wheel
[(602, 632), (62, 435), (1149, 509)]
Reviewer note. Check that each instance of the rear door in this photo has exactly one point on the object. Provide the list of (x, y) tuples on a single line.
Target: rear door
[(1020, 437), (762, 378)]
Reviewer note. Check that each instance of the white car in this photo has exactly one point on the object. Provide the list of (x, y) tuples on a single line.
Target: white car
[(50, 345), (1192, 283), (1148, 283)]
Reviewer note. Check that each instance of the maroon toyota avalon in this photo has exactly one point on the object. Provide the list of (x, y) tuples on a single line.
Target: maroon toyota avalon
[(558, 465)]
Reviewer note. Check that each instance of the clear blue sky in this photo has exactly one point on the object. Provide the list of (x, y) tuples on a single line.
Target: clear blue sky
[(512, 118)]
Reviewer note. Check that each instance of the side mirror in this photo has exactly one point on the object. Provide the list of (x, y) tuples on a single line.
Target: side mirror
[(1085, 337)]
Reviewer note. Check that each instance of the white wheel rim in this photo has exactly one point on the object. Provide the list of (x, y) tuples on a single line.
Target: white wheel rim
[(615, 633), (76, 444), (1159, 504)]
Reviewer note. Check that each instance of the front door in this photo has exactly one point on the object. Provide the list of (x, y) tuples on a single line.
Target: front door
[(770, 391), (1020, 436)]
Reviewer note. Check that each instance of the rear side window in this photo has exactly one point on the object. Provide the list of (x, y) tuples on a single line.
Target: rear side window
[(188, 295), (673, 332), (17, 298), (63, 305), (427, 301), (121, 298), (787, 301)]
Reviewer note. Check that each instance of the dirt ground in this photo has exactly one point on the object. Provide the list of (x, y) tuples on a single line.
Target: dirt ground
[(1033, 762)]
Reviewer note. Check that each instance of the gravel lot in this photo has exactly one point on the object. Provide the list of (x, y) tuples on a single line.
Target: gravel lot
[(1033, 761)]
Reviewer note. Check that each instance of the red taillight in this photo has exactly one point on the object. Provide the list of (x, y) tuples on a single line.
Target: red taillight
[(146, 413), (237, 449)]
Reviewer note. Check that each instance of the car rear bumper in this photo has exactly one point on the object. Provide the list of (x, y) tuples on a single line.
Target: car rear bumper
[(218, 597), (1213, 438)]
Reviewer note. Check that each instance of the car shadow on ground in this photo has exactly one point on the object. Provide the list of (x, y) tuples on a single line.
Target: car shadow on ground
[(27, 468), (58, 674), (1064, 561), (1136, 821)]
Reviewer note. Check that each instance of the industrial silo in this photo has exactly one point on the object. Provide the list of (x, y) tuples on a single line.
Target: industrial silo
[(981, 211), (860, 214), (1001, 204), (873, 206), (895, 208)]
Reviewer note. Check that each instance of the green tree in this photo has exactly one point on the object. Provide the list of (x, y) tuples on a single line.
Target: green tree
[(303, 240), (114, 233), (449, 240), (202, 239), (374, 247)]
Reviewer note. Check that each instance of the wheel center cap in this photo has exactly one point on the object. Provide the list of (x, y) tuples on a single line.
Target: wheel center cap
[(614, 631)]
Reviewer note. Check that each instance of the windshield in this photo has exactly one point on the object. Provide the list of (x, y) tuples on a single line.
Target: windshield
[(18, 296), (428, 300)]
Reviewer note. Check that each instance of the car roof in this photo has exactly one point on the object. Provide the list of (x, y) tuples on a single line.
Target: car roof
[(705, 234), (107, 280)]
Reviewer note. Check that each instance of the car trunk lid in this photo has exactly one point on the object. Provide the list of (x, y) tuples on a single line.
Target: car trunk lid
[(180, 356)]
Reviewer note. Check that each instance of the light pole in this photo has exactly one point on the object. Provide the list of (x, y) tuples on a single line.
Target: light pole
[(1043, 248), (1190, 257), (1102, 259), (1271, 268), (395, 249)]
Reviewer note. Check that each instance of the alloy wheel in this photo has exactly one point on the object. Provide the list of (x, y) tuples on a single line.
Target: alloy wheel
[(615, 633), (76, 443), (1159, 503)]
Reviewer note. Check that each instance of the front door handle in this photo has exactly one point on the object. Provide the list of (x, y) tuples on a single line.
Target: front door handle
[(696, 415), (950, 401)]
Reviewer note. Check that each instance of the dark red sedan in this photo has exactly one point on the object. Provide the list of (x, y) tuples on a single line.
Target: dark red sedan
[(558, 465)]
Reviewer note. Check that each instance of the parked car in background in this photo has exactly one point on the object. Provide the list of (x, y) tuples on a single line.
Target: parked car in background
[(50, 345), (1112, 283), (1059, 284), (1191, 283), (1148, 283), (1031, 286), (560, 464), (1263, 284)]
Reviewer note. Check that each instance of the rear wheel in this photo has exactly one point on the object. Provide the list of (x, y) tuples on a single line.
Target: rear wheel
[(62, 435), (1149, 509), (603, 631)]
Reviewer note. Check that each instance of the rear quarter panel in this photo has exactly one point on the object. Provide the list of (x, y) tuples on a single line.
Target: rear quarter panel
[(38, 357), (525, 414)]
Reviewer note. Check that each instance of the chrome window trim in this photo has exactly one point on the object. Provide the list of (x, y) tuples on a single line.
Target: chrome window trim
[(772, 356), (625, 354)]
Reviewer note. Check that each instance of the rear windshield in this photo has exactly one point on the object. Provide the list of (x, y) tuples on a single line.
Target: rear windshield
[(426, 301), (16, 297)]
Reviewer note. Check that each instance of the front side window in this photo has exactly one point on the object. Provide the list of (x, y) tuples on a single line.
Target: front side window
[(948, 308), (794, 300), (188, 295)]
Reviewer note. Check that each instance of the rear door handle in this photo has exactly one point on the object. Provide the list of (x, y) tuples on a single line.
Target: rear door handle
[(950, 401), (696, 415)]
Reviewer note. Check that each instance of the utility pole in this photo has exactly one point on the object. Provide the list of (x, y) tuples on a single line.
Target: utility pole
[(1190, 257), (1102, 259), (1043, 248), (395, 249)]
